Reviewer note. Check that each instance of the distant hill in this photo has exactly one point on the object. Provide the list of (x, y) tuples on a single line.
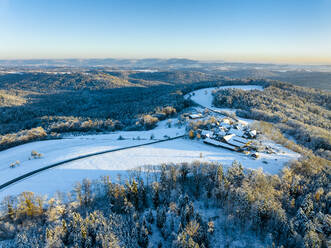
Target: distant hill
[(305, 78), (122, 63), (318, 80), (188, 70)]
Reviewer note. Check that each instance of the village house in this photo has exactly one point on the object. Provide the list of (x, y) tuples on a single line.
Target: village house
[(195, 116)]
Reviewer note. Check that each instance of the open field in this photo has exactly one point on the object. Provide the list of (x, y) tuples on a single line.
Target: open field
[(64, 177)]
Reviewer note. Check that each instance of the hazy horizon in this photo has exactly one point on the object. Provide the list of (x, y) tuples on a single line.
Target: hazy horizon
[(169, 58), (280, 32)]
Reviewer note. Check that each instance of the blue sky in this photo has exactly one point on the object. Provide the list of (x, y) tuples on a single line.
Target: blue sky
[(287, 31)]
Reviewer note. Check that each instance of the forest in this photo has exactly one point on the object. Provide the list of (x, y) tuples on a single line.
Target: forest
[(171, 205), (301, 113), (289, 210), (35, 104)]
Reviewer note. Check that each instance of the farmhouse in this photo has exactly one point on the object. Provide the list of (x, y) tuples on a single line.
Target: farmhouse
[(241, 140), (219, 144), (228, 134), (235, 143)]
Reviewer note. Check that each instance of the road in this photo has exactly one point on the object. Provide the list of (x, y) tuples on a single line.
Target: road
[(24, 176)]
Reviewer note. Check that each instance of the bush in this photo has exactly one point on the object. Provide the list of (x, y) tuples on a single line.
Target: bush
[(34, 134), (148, 121)]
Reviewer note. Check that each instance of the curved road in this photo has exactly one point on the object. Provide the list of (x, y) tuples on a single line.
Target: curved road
[(24, 176)]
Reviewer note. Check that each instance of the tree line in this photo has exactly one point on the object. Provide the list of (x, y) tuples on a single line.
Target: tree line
[(95, 102), (291, 209), (301, 113)]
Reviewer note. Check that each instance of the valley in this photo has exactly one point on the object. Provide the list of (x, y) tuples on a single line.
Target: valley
[(147, 152), (122, 163)]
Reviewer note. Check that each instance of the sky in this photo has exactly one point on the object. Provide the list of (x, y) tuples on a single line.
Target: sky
[(280, 31)]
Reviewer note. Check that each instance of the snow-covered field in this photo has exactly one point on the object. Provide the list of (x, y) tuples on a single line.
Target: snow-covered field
[(204, 97), (63, 178), (72, 146)]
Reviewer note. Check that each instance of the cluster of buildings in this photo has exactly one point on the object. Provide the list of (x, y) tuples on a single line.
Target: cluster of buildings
[(229, 134), (232, 136)]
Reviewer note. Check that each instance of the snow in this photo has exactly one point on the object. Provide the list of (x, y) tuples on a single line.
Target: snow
[(237, 132), (195, 116), (235, 143), (64, 177), (241, 140), (219, 144), (226, 233), (228, 137), (207, 133), (204, 97), (72, 146)]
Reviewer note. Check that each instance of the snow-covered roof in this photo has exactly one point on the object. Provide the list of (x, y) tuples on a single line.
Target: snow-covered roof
[(237, 132), (219, 144), (233, 142), (240, 139), (228, 137), (239, 126), (252, 133), (225, 125), (195, 116), (221, 133), (206, 132)]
